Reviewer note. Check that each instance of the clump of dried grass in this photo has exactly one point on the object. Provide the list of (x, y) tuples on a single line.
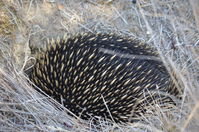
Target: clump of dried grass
[(170, 26)]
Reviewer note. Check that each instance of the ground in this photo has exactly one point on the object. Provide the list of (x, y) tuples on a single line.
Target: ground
[(170, 26)]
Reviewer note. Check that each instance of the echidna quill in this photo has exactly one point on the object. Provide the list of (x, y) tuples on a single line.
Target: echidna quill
[(103, 75)]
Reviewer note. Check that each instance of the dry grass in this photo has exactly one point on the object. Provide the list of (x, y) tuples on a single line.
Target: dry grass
[(172, 26)]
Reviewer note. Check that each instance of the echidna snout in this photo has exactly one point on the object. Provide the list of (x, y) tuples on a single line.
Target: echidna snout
[(93, 72)]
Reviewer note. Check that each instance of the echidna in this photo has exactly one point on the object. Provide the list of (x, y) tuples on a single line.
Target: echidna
[(103, 75)]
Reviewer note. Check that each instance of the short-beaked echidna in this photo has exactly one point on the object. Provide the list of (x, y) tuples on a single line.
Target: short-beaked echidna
[(103, 75)]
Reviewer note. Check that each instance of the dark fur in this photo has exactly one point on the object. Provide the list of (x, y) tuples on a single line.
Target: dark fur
[(123, 82)]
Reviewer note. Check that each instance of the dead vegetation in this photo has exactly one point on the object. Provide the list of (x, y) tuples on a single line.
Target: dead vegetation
[(172, 26)]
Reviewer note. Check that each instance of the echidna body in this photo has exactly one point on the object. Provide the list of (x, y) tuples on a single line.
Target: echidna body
[(103, 75)]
